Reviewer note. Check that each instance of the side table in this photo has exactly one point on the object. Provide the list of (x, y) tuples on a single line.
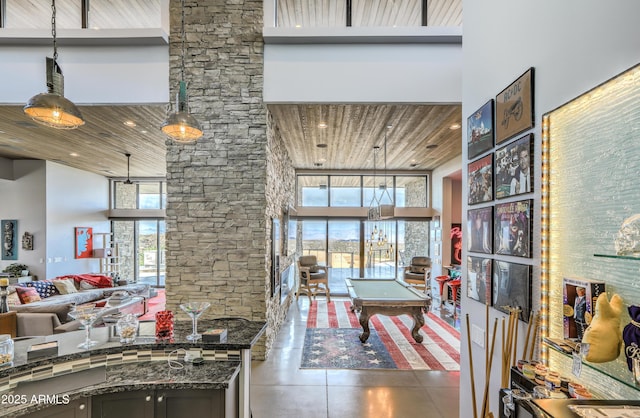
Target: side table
[(8, 323)]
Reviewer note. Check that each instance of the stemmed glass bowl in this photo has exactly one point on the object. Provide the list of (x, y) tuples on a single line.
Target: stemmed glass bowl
[(87, 315), (194, 310)]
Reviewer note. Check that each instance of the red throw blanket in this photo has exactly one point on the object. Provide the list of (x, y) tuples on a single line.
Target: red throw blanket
[(97, 280)]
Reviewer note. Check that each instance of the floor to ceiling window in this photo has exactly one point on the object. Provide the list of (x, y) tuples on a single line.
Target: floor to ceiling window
[(140, 233)]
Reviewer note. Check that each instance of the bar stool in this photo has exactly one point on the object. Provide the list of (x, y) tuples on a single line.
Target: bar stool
[(454, 285), (441, 281)]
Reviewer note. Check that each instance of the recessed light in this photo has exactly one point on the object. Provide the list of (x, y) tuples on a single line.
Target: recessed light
[(321, 145), (144, 131), (432, 146), (454, 126), (322, 125), (322, 160), (130, 123), (298, 26), (74, 154)]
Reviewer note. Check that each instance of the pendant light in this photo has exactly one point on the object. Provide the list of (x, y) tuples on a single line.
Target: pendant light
[(51, 108), (181, 126), (128, 181)]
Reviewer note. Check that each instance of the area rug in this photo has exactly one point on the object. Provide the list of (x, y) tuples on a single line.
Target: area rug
[(440, 349)]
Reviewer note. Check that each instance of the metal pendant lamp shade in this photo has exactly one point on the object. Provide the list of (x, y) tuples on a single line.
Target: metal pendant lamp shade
[(52, 108), (181, 126)]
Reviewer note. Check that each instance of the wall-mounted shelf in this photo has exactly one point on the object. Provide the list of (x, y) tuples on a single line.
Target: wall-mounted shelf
[(619, 257)]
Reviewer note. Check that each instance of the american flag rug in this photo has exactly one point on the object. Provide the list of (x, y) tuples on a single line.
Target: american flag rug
[(331, 341)]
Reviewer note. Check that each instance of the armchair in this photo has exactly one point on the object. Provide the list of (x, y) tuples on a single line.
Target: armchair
[(313, 279), (418, 273)]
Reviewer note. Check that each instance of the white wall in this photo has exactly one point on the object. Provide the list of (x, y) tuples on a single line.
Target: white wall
[(574, 45), (93, 75), (74, 198), (362, 73), (443, 201), (23, 199)]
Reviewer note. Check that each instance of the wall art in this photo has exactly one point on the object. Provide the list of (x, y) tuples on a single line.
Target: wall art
[(9, 239), (480, 130), (479, 279), (514, 107), (512, 288), (83, 242), (480, 180), (514, 168), (480, 227), (512, 228)]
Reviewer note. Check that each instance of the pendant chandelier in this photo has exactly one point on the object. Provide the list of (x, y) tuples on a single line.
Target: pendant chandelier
[(181, 126), (387, 206), (52, 108)]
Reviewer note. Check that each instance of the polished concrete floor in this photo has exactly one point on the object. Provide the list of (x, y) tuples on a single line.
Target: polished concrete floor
[(281, 389)]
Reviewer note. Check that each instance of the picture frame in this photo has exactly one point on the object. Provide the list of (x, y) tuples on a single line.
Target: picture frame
[(83, 242), (578, 310), (514, 107), (480, 180), (480, 130), (514, 168), (275, 257), (512, 288), (480, 230), (9, 229), (512, 228), (479, 279)]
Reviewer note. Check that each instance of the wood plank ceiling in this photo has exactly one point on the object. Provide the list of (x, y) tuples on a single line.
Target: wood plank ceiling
[(420, 137)]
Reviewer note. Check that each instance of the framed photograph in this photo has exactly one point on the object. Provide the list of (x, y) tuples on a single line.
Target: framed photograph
[(479, 279), (514, 108), (275, 257), (512, 288), (480, 130), (514, 168), (578, 305), (480, 227), (9, 239), (480, 180), (84, 242), (512, 228)]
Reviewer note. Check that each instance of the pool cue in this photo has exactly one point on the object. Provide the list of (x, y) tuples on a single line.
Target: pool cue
[(516, 321), (486, 335), (485, 397), (535, 335), (526, 340), (473, 384)]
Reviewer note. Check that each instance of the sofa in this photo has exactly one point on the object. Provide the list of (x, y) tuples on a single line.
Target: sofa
[(47, 313)]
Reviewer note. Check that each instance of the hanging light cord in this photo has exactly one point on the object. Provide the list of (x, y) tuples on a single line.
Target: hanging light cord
[(182, 36), (53, 30)]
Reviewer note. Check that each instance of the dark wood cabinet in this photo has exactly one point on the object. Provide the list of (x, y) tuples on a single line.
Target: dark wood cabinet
[(74, 409), (139, 404)]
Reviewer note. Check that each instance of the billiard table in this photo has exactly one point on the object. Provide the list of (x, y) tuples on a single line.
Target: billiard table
[(387, 297)]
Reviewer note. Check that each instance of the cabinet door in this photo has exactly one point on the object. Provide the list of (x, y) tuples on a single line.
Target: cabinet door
[(74, 409), (137, 404), (198, 403)]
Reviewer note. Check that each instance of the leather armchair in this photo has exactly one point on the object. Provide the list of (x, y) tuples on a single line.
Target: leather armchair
[(312, 278), (418, 273)]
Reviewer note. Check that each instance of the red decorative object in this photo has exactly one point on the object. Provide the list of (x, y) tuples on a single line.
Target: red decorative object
[(84, 242), (164, 325)]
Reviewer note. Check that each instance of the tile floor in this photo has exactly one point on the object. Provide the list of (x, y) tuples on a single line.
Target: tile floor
[(281, 389)]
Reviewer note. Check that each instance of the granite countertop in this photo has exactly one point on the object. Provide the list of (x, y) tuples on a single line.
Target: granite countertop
[(241, 334), (152, 375)]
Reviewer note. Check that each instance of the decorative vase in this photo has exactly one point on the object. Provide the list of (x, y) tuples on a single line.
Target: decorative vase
[(164, 325), (127, 328)]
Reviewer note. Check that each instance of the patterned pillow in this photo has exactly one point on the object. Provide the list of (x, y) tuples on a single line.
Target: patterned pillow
[(45, 288), (13, 299), (65, 286), (27, 294)]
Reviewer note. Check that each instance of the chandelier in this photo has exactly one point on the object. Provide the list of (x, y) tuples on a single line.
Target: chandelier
[(52, 108)]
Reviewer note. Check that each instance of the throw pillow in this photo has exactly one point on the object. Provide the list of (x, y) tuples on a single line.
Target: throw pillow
[(45, 288), (13, 298), (65, 286), (85, 285), (27, 294)]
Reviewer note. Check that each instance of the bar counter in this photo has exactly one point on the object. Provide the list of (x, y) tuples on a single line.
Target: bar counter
[(145, 365)]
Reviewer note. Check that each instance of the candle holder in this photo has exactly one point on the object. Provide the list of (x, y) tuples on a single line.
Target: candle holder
[(164, 325)]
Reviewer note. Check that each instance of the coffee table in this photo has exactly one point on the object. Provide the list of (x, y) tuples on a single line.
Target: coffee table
[(387, 297)]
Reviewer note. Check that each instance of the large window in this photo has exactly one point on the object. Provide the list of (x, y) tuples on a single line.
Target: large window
[(141, 239)]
